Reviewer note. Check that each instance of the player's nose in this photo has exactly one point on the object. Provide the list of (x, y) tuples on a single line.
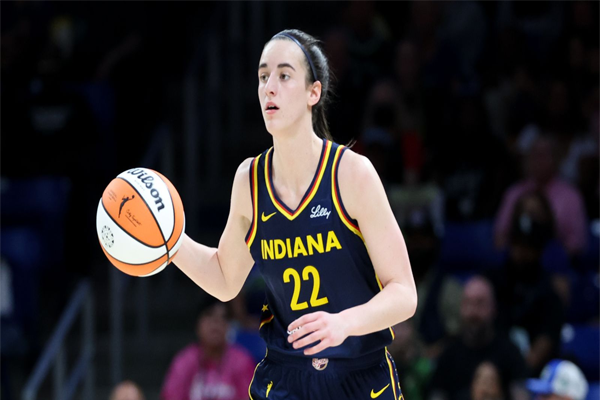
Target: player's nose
[(271, 87)]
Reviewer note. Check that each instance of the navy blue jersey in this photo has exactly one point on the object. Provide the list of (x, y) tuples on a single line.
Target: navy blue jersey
[(312, 258)]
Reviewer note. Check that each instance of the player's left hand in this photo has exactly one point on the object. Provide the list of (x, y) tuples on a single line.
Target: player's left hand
[(330, 329)]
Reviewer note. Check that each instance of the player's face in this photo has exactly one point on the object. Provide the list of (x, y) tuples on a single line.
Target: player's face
[(282, 91)]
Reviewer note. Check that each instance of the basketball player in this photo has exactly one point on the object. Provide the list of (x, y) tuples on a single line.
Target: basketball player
[(316, 221)]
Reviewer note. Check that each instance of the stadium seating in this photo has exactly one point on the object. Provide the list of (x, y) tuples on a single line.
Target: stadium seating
[(469, 246), (582, 344)]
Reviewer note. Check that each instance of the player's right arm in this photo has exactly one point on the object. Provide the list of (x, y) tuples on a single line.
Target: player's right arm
[(222, 271)]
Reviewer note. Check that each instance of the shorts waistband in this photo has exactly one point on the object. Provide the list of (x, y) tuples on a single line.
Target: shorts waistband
[(328, 364)]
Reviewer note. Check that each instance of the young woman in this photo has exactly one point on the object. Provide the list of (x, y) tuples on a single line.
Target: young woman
[(316, 221), (210, 368)]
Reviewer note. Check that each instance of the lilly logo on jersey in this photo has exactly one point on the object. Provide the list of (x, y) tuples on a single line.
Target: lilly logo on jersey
[(276, 249), (147, 181), (319, 211)]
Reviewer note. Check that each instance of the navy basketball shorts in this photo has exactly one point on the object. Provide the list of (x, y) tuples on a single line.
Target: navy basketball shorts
[(280, 376)]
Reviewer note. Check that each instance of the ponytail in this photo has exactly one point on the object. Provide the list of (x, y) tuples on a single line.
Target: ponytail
[(320, 124)]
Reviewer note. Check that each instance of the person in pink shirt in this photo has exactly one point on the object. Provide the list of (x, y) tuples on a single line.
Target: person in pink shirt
[(213, 368), (541, 173)]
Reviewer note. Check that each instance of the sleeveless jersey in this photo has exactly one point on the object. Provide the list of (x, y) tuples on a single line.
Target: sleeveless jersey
[(312, 259)]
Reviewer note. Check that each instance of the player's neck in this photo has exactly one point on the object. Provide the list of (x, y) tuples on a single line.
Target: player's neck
[(295, 159)]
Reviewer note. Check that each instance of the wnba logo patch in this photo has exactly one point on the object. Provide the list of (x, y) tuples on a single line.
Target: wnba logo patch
[(320, 363)]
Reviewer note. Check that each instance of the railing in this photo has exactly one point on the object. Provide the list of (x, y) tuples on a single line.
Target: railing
[(55, 357)]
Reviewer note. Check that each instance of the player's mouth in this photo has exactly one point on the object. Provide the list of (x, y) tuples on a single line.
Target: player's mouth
[(271, 108)]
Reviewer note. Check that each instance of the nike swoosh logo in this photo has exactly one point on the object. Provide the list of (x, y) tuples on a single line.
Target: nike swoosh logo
[(376, 395), (266, 218)]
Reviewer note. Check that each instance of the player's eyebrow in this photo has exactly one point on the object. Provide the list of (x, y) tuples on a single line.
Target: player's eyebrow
[(282, 65)]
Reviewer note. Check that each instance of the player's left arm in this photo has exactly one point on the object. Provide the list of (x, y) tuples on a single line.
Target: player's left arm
[(365, 199)]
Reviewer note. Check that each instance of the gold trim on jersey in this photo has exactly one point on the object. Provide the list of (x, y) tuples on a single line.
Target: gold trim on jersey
[(255, 368), (336, 197), (313, 190), (266, 321), (343, 216), (387, 358), (254, 194)]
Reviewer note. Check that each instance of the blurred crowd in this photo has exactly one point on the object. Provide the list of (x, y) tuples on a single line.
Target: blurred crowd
[(482, 118)]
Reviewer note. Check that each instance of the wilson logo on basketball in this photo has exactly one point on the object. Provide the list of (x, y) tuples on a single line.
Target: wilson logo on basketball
[(147, 181)]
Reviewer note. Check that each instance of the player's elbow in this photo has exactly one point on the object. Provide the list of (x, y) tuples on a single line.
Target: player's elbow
[(228, 292), (413, 303), (410, 301)]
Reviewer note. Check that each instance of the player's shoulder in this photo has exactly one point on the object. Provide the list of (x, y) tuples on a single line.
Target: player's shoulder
[(244, 166), (243, 171), (359, 183), (355, 167)]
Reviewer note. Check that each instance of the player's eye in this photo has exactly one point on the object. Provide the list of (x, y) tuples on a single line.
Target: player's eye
[(263, 77), (284, 77)]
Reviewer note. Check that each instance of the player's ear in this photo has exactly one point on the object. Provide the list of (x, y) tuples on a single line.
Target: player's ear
[(314, 93)]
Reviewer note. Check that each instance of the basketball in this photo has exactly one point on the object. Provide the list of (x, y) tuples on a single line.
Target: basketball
[(140, 222)]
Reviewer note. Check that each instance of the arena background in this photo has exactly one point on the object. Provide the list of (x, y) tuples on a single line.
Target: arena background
[(90, 89)]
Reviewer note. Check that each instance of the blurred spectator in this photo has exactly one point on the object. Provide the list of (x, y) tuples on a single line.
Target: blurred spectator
[(127, 390), (359, 51), (487, 383), (412, 364), (523, 108), (438, 66), (470, 163), (580, 165), (478, 341), (529, 306), (368, 41), (211, 368), (465, 26), (410, 113), (437, 316), (581, 146), (407, 80), (414, 197), (438, 59), (416, 188), (541, 168), (560, 116), (540, 22), (379, 137), (533, 211), (560, 380)]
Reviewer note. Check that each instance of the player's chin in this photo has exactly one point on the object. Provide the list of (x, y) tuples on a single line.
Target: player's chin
[(276, 127)]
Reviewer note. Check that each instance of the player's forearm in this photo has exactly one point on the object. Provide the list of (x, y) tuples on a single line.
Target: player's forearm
[(201, 264), (394, 304)]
